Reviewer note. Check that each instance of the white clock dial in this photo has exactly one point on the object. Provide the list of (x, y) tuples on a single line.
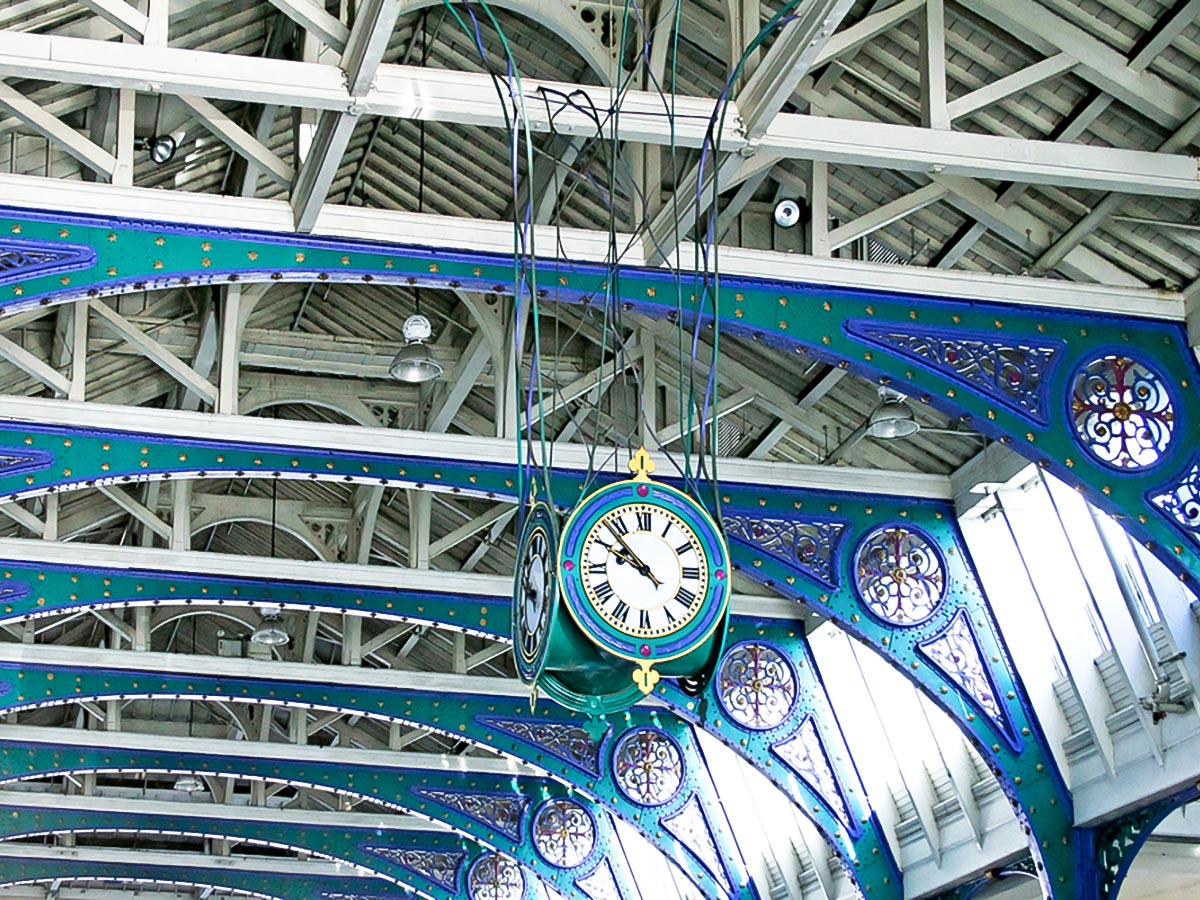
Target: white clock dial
[(531, 611), (644, 570)]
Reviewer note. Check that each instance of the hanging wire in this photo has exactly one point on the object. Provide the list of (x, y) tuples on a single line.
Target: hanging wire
[(703, 301)]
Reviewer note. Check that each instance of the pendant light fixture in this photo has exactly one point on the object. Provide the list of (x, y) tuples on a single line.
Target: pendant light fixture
[(188, 783), (270, 631), (893, 418), (415, 362)]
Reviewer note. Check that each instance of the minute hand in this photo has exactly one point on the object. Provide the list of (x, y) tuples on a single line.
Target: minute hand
[(633, 557)]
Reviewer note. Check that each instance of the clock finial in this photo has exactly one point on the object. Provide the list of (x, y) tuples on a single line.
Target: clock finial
[(642, 466), (645, 677)]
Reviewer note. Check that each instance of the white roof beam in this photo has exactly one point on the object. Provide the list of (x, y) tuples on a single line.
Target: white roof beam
[(1109, 204), (791, 57), (240, 140), (121, 14), (470, 98), (1035, 25), (364, 49), (932, 53), (48, 194), (315, 19), (140, 512), (1165, 32), (31, 365), (156, 352), (1011, 85), (460, 382), (869, 27), (887, 214), (53, 129)]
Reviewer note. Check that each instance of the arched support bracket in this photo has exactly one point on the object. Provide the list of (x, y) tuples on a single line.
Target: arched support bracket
[(1106, 857), (767, 703), (898, 577)]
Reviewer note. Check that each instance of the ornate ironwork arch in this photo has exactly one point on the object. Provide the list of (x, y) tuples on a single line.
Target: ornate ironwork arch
[(490, 810)]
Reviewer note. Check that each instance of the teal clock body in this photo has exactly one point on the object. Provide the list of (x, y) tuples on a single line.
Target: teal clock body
[(645, 578), (643, 573)]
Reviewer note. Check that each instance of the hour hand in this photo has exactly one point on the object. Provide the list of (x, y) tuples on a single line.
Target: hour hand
[(632, 558)]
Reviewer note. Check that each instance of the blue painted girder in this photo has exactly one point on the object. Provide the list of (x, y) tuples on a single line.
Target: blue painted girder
[(380, 849), (490, 808)]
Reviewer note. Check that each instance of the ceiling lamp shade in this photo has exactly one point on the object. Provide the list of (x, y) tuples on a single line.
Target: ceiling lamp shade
[(893, 418), (415, 363), (189, 784), (270, 633)]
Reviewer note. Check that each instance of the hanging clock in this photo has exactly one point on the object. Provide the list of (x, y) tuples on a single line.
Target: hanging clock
[(645, 575), (535, 597)]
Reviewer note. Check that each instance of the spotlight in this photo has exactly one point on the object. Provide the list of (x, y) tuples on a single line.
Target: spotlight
[(161, 147), (415, 363), (270, 633), (787, 213), (893, 418)]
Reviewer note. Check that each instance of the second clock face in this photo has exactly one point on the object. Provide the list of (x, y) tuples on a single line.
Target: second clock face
[(644, 570)]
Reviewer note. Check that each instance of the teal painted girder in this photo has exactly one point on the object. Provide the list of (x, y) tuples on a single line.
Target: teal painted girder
[(506, 830), (467, 717), (267, 885), (344, 844), (29, 590), (1007, 369)]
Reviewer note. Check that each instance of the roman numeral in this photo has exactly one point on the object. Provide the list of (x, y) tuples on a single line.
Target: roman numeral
[(666, 528), (670, 615), (686, 597), (598, 568), (691, 572), (618, 526), (644, 620), (644, 521), (684, 548), (603, 591), (621, 611)]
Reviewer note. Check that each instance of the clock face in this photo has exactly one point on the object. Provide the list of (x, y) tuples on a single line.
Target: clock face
[(535, 593), (644, 570)]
